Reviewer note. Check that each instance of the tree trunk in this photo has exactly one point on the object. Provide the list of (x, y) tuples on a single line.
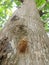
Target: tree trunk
[(23, 40)]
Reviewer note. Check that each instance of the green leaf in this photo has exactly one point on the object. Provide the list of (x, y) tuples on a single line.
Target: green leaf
[(40, 3), (18, 3), (47, 27)]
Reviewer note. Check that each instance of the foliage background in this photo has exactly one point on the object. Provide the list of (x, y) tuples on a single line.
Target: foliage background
[(7, 7)]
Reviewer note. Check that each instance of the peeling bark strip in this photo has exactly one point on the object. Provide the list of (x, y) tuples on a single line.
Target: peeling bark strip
[(15, 18), (3, 44), (29, 42)]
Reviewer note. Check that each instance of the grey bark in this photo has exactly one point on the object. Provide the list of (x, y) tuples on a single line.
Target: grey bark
[(25, 24)]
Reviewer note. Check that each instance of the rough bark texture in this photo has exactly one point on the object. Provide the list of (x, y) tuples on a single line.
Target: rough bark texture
[(23, 40)]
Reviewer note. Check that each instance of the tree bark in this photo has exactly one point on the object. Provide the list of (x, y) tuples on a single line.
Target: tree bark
[(23, 40)]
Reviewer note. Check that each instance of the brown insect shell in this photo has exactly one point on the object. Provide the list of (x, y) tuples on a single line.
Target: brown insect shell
[(22, 45)]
